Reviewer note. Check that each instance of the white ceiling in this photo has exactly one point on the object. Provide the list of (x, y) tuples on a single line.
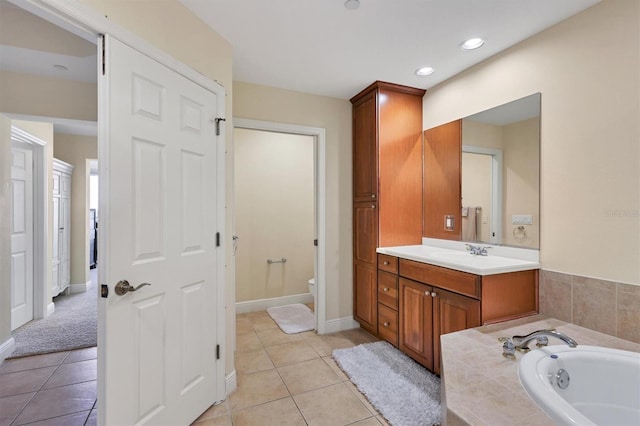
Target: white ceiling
[(320, 47)]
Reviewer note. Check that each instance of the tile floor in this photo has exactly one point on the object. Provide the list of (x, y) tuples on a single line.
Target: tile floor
[(282, 380), (52, 389)]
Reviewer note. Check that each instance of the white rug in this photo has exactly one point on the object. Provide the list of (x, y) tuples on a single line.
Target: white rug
[(404, 392), (294, 318)]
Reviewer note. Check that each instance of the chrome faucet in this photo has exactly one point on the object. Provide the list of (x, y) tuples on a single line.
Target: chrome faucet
[(477, 250), (521, 342)]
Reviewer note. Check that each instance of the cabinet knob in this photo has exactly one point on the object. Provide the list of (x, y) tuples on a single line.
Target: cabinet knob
[(373, 206), (385, 263), (434, 294), (385, 289), (373, 195), (386, 324)]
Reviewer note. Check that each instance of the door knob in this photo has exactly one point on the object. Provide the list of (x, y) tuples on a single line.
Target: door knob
[(123, 287)]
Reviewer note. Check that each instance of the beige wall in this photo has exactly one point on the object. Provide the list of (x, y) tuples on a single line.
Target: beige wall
[(587, 70), (274, 213), (5, 229), (334, 115), (476, 192), (75, 150), (48, 97), (171, 27)]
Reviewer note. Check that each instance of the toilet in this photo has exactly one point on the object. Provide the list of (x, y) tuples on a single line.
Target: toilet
[(312, 288)]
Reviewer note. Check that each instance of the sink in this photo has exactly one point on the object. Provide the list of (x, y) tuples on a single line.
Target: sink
[(585, 385)]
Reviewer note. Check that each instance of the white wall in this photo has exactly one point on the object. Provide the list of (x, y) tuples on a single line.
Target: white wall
[(5, 230), (587, 70), (274, 213)]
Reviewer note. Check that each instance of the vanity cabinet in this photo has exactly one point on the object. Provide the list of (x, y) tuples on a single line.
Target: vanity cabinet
[(387, 188), (433, 301)]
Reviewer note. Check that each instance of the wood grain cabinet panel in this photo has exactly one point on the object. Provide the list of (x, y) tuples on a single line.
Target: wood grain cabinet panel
[(416, 321), (365, 297), (388, 324), (388, 289)]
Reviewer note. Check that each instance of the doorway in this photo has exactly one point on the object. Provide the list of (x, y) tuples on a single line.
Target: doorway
[(301, 135)]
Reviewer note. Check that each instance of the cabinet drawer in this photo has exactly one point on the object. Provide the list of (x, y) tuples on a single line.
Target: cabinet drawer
[(388, 289), (388, 324), (388, 263), (448, 279)]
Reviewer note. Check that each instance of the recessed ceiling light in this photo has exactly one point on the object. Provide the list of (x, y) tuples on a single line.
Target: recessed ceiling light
[(61, 67), (352, 4), (425, 71), (472, 43)]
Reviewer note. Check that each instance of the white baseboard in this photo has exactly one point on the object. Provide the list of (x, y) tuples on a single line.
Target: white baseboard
[(51, 308), (262, 304), (340, 324), (7, 348), (231, 383), (79, 288)]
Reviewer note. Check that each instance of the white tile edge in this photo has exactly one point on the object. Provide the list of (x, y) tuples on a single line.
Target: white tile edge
[(230, 383), (7, 348)]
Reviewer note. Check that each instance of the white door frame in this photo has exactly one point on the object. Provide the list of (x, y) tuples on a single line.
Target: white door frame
[(85, 22), (41, 307), (495, 231), (318, 134)]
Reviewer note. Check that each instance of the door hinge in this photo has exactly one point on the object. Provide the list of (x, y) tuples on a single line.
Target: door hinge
[(217, 351), (104, 291), (217, 239), (218, 120), (104, 67), (315, 243)]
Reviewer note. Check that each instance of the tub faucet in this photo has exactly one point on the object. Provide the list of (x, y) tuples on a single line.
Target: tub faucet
[(521, 342)]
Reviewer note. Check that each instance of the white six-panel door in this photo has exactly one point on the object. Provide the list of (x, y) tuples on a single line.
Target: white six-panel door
[(21, 236), (158, 159)]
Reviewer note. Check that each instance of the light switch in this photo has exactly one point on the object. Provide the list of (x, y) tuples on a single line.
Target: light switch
[(449, 222)]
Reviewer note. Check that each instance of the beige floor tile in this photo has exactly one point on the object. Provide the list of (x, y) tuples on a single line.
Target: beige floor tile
[(11, 406), (371, 421), (82, 355), (221, 409), (31, 362), (383, 421), (308, 375), (362, 398), (327, 343), (331, 406), (275, 336), (24, 381), (336, 369), (75, 372), (248, 342), (252, 362), (58, 402), (257, 388), (224, 420), (291, 353), (282, 412), (243, 325)]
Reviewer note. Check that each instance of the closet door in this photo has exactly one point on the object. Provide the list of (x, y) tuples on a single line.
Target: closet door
[(55, 265)]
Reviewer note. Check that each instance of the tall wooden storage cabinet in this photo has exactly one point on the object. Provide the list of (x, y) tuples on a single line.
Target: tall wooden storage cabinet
[(387, 184), (61, 259)]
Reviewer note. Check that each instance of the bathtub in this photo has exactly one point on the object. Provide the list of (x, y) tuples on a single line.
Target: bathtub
[(586, 385)]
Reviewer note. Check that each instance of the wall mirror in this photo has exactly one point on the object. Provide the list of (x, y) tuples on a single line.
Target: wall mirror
[(499, 176)]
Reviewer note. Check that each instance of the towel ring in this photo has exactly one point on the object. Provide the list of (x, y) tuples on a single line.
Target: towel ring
[(519, 233)]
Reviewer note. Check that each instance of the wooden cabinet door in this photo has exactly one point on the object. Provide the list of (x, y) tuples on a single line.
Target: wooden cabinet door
[(365, 162), (416, 321), (365, 288), (451, 312)]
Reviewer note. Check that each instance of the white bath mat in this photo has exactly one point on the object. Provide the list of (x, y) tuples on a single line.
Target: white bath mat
[(294, 318)]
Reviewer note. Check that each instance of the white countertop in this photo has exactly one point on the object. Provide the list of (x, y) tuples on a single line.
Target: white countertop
[(460, 260)]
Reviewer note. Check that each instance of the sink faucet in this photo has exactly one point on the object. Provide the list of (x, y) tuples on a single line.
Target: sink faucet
[(478, 250), (521, 342)]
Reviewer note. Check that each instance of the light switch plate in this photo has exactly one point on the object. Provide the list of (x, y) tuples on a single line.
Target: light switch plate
[(521, 219)]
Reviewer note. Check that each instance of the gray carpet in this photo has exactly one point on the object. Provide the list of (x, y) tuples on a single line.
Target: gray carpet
[(404, 392), (73, 325)]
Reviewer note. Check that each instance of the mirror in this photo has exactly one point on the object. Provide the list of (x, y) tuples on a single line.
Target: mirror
[(500, 176)]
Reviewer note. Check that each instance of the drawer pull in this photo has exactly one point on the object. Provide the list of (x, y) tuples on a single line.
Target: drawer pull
[(385, 289), (385, 263), (386, 324)]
